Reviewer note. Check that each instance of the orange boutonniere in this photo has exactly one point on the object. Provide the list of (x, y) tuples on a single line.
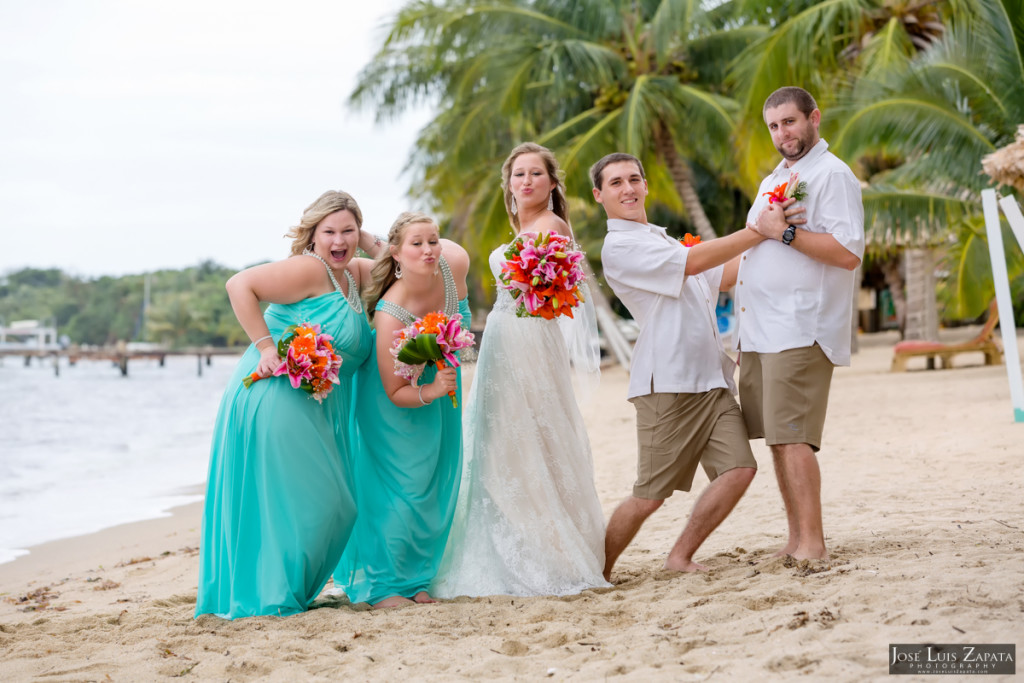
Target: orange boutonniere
[(794, 188)]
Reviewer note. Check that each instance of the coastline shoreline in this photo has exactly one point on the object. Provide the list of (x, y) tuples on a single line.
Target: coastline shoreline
[(54, 561)]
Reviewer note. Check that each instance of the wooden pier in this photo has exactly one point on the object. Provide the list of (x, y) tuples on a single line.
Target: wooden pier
[(119, 355), (30, 339)]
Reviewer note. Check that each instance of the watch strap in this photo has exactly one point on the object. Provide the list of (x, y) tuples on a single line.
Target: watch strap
[(788, 234)]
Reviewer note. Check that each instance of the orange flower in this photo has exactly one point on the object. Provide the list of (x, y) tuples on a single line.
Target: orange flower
[(304, 344), (431, 322), (689, 240)]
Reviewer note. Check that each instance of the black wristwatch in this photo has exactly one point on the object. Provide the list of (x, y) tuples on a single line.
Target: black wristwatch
[(788, 234)]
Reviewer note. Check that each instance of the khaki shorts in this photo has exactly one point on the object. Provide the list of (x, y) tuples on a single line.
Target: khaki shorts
[(785, 395), (676, 431)]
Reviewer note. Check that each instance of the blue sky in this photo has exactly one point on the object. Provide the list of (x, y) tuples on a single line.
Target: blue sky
[(136, 136)]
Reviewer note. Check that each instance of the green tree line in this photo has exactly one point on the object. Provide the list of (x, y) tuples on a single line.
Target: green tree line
[(186, 307)]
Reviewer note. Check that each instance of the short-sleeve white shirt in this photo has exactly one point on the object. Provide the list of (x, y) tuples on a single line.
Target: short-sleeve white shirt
[(678, 349), (787, 300)]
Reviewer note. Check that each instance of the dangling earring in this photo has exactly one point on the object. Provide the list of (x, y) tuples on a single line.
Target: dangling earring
[(308, 250), (512, 206), (551, 201), (398, 271)]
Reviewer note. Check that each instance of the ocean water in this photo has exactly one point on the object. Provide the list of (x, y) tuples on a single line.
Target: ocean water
[(90, 449)]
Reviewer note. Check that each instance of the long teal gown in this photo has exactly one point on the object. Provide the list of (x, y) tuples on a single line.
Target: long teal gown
[(279, 504), (407, 472)]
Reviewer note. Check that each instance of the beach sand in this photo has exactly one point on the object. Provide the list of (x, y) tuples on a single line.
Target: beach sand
[(922, 492)]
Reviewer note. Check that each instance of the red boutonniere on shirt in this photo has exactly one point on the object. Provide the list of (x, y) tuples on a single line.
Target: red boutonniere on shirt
[(689, 240), (792, 189)]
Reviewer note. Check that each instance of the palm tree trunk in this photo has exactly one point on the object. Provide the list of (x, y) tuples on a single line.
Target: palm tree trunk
[(893, 279), (922, 313), (682, 178)]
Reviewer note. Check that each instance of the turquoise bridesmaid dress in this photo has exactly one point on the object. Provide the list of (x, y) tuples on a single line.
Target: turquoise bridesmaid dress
[(407, 471), (279, 504)]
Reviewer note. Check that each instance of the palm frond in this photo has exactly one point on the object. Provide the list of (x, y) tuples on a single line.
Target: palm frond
[(909, 217), (798, 51), (916, 126)]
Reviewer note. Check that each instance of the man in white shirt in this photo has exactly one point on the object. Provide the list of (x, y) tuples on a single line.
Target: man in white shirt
[(680, 377), (794, 304)]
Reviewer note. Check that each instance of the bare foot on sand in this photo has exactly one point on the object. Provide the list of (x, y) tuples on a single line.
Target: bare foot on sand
[(393, 601), (688, 566), (423, 597), (800, 554)]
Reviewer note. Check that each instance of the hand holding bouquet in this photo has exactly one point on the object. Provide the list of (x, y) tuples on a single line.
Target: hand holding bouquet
[(793, 189), (310, 362), (434, 337), (543, 273)]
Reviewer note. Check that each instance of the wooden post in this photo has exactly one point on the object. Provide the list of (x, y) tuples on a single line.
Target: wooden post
[(1001, 281), (199, 364), (617, 342)]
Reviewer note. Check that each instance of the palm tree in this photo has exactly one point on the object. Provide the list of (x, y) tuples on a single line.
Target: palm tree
[(946, 109), (583, 77)]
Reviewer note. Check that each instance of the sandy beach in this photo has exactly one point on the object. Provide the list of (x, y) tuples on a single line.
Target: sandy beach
[(923, 499)]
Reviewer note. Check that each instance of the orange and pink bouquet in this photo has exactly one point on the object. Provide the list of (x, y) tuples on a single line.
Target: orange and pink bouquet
[(543, 273), (433, 338), (310, 362)]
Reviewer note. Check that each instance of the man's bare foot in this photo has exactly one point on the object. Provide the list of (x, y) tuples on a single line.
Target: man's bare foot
[(688, 566), (423, 598), (787, 549), (810, 554), (393, 601)]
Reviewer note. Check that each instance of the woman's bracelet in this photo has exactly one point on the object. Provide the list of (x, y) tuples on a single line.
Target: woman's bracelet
[(420, 394), (269, 336)]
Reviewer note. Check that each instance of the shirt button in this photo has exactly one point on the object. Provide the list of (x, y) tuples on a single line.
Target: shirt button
[(744, 257), (743, 309), (741, 282)]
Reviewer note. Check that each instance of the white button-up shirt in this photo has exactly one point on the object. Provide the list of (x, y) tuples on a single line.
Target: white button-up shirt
[(678, 349), (787, 300)]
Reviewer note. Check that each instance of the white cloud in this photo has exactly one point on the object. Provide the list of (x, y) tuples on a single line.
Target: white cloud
[(137, 136)]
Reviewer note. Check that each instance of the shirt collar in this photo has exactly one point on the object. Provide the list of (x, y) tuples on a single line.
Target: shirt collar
[(813, 155), (619, 224)]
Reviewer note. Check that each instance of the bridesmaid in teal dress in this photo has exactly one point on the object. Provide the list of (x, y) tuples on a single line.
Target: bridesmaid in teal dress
[(409, 463), (279, 505)]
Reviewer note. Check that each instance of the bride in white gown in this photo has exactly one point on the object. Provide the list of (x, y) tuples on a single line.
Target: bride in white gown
[(528, 520)]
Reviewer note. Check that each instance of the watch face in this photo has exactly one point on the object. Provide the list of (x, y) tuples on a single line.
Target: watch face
[(788, 235)]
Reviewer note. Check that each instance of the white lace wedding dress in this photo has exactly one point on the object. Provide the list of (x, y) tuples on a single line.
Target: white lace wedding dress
[(528, 520)]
